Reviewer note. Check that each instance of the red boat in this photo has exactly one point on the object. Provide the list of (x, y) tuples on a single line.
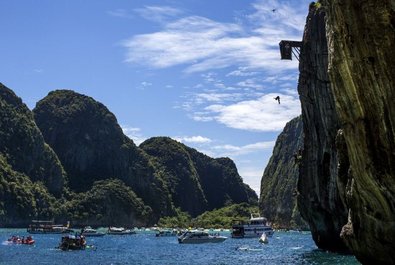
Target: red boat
[(21, 240)]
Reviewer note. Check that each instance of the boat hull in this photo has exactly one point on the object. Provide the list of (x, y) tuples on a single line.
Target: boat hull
[(93, 234), (202, 241)]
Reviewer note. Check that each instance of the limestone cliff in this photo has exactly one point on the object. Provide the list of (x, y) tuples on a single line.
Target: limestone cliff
[(220, 181), (176, 168), (320, 200), (361, 39), (23, 146), (277, 201), (196, 182), (91, 146)]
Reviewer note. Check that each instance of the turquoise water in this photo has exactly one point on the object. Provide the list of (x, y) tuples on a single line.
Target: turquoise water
[(145, 248)]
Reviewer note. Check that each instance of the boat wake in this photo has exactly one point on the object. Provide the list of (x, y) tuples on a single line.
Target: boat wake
[(247, 248), (296, 248)]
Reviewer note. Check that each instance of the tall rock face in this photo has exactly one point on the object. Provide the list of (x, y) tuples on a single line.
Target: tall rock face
[(177, 170), (321, 202), (277, 201), (361, 37), (92, 147), (220, 181), (23, 146), (196, 182)]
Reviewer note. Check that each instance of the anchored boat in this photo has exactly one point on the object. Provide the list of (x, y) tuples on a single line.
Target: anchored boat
[(120, 231), (47, 227), (255, 227), (198, 237), (71, 242)]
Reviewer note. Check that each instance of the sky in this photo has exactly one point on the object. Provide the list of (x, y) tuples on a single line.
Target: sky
[(203, 72)]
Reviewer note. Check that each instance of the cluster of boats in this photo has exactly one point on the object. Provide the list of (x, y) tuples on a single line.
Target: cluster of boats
[(256, 227), (47, 227)]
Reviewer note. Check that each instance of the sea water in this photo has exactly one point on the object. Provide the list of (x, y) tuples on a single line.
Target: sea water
[(146, 248)]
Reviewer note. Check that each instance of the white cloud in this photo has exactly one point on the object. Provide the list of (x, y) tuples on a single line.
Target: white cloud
[(253, 177), (158, 13), (146, 84), (201, 98), (291, 17), (134, 134), (251, 83), (203, 44), (242, 71), (233, 150), (193, 139), (263, 114)]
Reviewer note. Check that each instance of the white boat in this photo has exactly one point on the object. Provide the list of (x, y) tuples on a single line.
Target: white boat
[(166, 232), (119, 231), (89, 231), (255, 227), (263, 239), (198, 237)]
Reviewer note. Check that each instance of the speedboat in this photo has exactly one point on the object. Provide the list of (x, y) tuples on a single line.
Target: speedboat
[(198, 237), (89, 231), (120, 231), (21, 240), (70, 242), (255, 227)]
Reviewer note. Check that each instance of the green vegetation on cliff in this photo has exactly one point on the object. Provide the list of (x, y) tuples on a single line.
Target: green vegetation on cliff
[(22, 200), (111, 181), (91, 146), (220, 181), (217, 218), (226, 216), (176, 168), (196, 182), (110, 203), (22, 144)]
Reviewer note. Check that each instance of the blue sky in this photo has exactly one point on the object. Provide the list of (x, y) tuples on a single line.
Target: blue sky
[(202, 72)]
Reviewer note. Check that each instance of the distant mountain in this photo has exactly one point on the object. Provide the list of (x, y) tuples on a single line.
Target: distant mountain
[(279, 181), (177, 169), (91, 146), (220, 181), (109, 181), (197, 182)]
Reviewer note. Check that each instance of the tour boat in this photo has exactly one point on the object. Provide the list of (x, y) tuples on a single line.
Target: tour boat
[(198, 237), (47, 227), (255, 227)]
